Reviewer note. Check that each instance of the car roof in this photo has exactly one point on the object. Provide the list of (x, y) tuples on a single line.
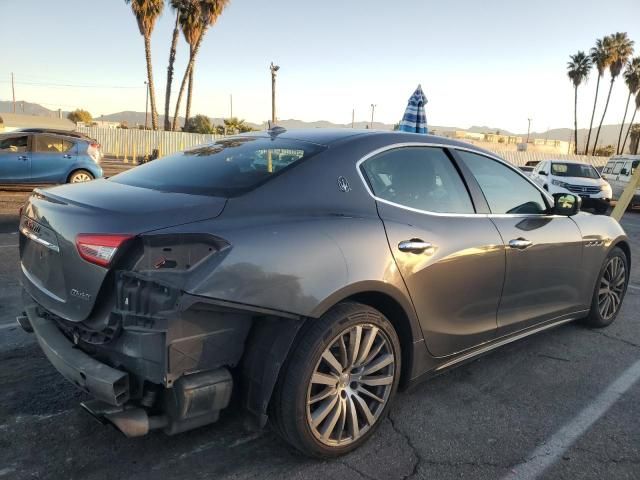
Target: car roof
[(571, 162), (53, 131), (328, 136)]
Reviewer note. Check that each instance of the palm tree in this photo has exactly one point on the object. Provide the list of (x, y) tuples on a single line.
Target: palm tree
[(633, 117), (578, 69), (146, 13), (619, 48), (234, 125), (599, 58), (202, 15), (178, 6), (632, 79)]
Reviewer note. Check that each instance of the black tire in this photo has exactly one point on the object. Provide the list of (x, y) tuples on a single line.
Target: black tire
[(292, 409), (596, 317), (76, 175)]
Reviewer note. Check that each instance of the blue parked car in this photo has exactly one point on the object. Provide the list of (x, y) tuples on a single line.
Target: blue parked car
[(41, 156)]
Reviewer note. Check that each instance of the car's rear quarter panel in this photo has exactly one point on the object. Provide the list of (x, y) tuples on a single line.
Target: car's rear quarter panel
[(600, 234)]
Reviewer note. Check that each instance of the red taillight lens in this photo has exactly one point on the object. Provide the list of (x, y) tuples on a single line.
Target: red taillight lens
[(99, 248)]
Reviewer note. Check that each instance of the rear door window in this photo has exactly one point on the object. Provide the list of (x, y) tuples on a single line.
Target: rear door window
[(225, 168), (617, 167), (14, 144), (506, 191), (421, 178), (51, 144)]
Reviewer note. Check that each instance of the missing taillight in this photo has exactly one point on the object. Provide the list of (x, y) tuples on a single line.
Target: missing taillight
[(100, 248)]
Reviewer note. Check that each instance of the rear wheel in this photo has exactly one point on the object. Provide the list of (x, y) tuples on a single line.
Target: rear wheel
[(339, 381), (80, 176), (610, 290)]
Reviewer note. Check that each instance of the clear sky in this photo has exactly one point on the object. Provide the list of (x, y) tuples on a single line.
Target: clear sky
[(488, 62)]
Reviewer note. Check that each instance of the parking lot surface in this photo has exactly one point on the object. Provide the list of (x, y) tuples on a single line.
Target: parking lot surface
[(562, 404)]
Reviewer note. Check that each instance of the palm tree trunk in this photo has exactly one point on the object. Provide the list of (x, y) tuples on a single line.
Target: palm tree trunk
[(626, 108), (575, 120), (184, 82), (633, 117), (189, 91), (152, 92), (606, 105), (593, 114), (172, 59)]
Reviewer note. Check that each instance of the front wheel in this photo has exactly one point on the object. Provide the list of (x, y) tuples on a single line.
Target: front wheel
[(80, 176), (610, 290), (338, 382)]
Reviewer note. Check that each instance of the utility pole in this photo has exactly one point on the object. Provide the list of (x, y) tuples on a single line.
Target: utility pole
[(373, 109), (13, 90), (146, 106), (353, 117), (230, 105), (528, 129), (274, 69)]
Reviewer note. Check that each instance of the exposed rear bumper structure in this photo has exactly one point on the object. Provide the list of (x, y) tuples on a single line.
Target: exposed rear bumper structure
[(126, 395), (106, 384)]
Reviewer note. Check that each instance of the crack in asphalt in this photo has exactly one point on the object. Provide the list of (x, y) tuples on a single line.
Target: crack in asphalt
[(359, 472), (416, 464), (420, 460), (622, 340)]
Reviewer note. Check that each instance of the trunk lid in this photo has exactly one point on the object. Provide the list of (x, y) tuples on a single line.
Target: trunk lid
[(54, 273)]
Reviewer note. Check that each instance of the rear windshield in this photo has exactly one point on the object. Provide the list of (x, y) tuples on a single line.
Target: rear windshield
[(225, 168), (573, 170)]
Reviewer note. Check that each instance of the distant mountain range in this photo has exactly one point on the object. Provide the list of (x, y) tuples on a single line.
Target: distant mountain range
[(608, 134)]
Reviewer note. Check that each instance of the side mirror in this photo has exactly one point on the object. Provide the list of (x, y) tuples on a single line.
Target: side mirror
[(566, 204), (623, 171), (542, 172)]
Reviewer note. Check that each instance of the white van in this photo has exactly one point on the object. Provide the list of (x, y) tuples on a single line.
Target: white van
[(618, 172), (561, 176)]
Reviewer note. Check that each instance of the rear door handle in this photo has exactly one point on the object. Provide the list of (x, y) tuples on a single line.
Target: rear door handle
[(23, 157), (520, 243), (415, 245), (66, 156)]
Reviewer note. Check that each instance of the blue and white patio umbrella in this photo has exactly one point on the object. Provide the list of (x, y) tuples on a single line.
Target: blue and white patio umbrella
[(415, 118)]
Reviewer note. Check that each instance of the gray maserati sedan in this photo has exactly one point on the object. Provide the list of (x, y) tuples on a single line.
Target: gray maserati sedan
[(304, 276)]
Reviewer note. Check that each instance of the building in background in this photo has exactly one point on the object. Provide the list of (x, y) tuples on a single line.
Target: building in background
[(14, 121), (499, 142)]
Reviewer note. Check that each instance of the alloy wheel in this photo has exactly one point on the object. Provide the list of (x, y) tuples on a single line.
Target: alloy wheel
[(611, 288), (80, 178), (350, 385)]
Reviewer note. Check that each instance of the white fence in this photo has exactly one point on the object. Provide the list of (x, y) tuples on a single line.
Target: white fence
[(520, 158), (135, 144)]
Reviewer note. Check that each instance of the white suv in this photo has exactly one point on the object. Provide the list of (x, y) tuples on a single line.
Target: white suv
[(560, 176)]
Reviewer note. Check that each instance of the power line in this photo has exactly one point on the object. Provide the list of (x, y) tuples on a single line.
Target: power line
[(73, 85)]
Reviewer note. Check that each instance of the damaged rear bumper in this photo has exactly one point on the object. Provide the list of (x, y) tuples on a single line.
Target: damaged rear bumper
[(106, 384)]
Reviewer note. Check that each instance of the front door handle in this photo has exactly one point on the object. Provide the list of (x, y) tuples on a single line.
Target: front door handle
[(23, 157), (415, 245), (66, 156), (520, 243)]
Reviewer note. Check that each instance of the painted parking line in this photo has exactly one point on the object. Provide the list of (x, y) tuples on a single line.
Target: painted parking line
[(8, 246), (634, 287), (8, 325), (553, 450)]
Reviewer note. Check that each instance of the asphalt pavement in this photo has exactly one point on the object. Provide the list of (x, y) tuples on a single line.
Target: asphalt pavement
[(563, 404)]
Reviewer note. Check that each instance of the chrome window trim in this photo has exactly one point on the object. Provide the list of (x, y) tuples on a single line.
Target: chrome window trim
[(395, 146)]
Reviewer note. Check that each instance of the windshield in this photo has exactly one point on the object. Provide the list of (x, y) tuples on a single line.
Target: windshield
[(573, 170), (226, 168)]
